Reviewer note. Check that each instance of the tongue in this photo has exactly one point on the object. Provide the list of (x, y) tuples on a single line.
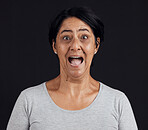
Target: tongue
[(75, 62)]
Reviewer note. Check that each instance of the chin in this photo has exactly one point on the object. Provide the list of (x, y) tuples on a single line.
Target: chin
[(76, 74)]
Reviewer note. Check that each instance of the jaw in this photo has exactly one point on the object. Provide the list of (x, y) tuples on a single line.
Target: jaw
[(75, 73), (74, 76)]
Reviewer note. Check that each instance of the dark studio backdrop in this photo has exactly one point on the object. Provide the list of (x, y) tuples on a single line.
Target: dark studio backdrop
[(26, 58)]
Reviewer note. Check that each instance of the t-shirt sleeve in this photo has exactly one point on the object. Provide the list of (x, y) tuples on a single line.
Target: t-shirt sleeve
[(19, 118), (126, 115)]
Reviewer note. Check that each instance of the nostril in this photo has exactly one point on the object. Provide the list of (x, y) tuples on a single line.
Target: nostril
[(72, 49), (75, 45)]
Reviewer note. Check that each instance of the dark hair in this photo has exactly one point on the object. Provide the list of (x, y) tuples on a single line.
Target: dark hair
[(83, 13)]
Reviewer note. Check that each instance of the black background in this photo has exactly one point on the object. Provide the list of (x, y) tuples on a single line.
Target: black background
[(26, 58)]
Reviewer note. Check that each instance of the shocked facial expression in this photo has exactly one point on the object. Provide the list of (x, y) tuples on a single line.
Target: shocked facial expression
[(75, 46)]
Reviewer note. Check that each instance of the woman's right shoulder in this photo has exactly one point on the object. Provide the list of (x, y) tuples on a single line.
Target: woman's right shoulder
[(34, 90)]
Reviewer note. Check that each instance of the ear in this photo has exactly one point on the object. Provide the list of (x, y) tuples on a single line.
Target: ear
[(54, 47), (98, 44)]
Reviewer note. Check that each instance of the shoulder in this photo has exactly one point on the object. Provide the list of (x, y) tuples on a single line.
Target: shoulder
[(118, 105), (112, 95), (36, 88), (115, 99), (29, 99), (33, 92), (107, 90)]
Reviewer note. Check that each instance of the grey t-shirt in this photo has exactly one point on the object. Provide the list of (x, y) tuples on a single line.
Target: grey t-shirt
[(35, 110)]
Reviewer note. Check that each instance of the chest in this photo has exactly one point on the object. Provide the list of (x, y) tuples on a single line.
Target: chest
[(47, 116), (72, 103)]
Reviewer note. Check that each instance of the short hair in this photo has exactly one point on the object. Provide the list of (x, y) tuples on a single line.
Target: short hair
[(83, 13)]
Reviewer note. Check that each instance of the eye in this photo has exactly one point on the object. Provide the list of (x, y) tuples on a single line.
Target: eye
[(66, 38), (84, 37)]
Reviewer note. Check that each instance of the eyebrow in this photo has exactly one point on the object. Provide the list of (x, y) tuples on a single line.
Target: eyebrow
[(84, 29), (66, 31)]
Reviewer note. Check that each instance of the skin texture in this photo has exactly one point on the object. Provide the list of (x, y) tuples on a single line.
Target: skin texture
[(74, 88)]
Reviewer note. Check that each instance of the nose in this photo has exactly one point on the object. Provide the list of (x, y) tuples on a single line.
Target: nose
[(75, 45)]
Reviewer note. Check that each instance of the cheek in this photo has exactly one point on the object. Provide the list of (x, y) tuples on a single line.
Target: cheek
[(62, 52), (89, 49), (61, 49)]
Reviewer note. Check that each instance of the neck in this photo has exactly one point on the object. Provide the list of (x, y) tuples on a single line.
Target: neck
[(74, 87)]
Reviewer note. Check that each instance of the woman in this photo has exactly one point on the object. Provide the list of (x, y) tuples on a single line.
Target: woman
[(73, 100)]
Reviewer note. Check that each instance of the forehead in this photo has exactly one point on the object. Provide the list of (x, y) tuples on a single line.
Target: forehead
[(74, 23)]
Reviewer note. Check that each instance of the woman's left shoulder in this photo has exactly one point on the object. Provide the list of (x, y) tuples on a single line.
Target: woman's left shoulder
[(112, 92)]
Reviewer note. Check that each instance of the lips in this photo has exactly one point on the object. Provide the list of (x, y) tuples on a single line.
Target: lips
[(75, 60)]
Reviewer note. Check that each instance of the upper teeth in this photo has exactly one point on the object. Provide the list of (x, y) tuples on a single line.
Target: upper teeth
[(74, 57)]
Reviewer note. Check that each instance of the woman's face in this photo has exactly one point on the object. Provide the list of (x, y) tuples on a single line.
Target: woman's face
[(75, 47)]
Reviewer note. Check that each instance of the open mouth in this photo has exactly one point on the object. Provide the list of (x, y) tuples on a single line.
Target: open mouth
[(75, 61)]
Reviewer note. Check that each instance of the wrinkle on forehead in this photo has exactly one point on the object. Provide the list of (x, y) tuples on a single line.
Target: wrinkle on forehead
[(74, 24)]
